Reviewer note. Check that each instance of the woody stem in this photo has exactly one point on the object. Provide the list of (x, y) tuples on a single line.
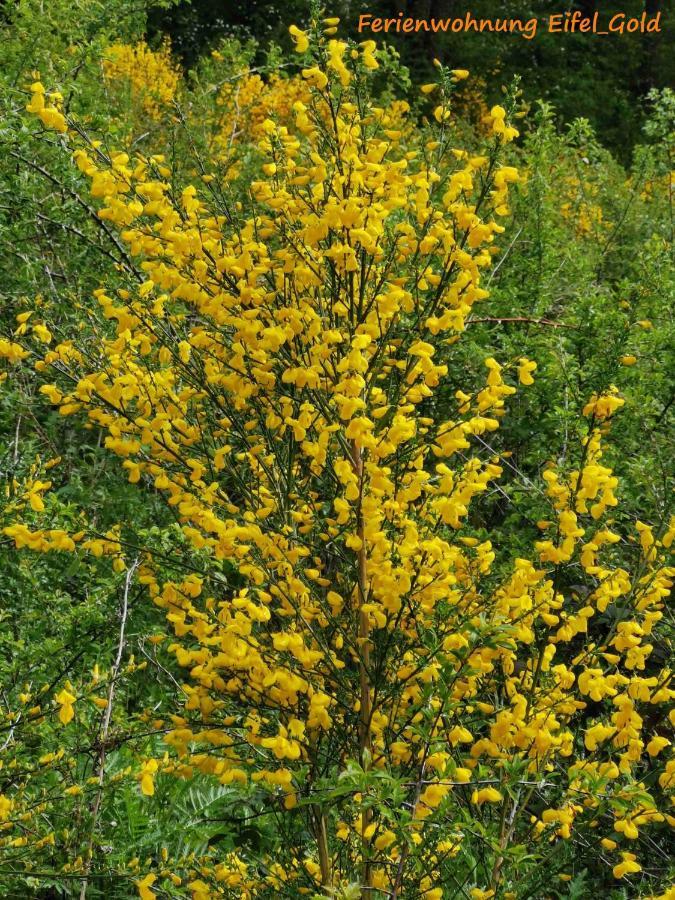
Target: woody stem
[(364, 654)]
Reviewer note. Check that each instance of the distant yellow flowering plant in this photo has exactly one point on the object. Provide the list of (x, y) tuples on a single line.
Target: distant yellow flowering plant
[(352, 649), (246, 102), (150, 76)]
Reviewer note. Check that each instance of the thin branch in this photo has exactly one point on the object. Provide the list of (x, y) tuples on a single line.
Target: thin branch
[(526, 319), (105, 722)]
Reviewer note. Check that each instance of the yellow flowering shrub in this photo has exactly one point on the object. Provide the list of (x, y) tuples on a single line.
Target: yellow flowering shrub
[(150, 77), (246, 102), (350, 646), (579, 208)]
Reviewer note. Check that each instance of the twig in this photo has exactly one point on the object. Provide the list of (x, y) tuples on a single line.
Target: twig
[(105, 723), (527, 319), (8, 740), (101, 224), (266, 69), (15, 457), (506, 253)]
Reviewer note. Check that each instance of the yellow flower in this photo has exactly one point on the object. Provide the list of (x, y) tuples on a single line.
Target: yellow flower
[(486, 795), (384, 840), (12, 351), (37, 100), (627, 867), (315, 77), (604, 405), (628, 828), (147, 777), (336, 51), (42, 333), (369, 60), (525, 369), (6, 806), (143, 886), (65, 700), (300, 39), (656, 745)]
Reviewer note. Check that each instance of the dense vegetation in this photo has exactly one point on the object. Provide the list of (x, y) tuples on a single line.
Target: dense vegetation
[(603, 78), (336, 416)]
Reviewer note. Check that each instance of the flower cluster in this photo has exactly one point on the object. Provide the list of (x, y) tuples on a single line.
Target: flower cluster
[(150, 76)]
